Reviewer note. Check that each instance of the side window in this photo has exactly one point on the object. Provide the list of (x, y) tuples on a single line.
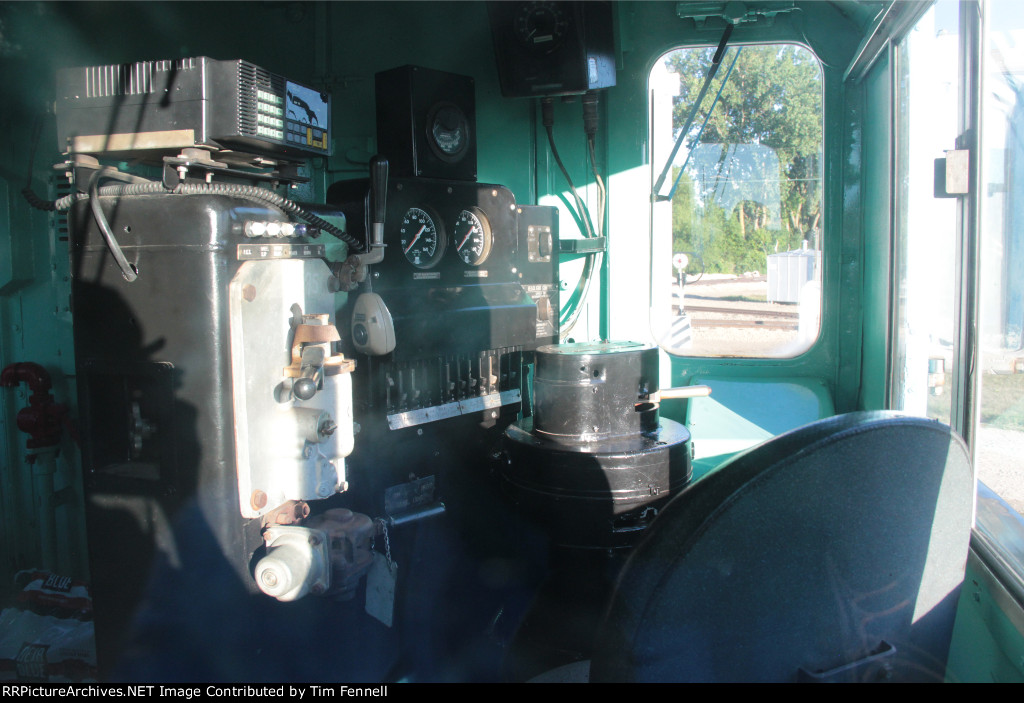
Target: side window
[(928, 241), (929, 87), (1000, 440), (737, 170)]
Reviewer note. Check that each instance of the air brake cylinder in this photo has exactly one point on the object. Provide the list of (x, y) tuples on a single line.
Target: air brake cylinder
[(595, 463)]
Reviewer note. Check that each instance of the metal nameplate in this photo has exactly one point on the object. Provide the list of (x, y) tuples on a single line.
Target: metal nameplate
[(255, 252), (409, 496)]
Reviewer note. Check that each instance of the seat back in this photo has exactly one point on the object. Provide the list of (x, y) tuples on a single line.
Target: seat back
[(832, 552)]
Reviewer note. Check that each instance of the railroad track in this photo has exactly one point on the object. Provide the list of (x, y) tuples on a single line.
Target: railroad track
[(742, 311), (762, 324)]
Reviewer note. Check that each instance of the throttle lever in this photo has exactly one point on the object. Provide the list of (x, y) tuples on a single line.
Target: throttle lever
[(378, 208), (354, 269), (378, 196)]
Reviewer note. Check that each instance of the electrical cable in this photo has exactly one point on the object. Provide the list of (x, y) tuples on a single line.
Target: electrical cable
[(583, 287), (602, 192), (255, 193), (584, 214), (151, 187), (574, 308), (579, 295), (268, 196), (128, 270), (548, 119)]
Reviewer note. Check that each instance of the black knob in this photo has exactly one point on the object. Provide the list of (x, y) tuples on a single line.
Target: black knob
[(378, 187), (545, 244), (304, 388), (359, 334)]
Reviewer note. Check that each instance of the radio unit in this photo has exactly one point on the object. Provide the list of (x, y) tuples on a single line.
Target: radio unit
[(193, 102)]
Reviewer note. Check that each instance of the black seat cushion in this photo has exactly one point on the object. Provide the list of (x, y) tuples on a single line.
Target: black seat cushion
[(825, 545)]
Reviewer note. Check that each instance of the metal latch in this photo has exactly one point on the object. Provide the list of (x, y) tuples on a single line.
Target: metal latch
[(952, 174)]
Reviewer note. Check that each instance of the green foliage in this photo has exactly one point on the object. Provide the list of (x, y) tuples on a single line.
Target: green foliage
[(772, 102)]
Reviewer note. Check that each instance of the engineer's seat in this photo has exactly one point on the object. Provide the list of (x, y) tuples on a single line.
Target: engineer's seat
[(834, 552)]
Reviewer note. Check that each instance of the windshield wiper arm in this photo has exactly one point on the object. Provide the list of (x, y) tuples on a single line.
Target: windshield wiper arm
[(716, 61)]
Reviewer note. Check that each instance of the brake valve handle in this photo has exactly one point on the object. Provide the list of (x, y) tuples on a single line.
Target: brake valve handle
[(378, 198)]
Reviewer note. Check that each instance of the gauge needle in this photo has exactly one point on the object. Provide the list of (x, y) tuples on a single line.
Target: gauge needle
[(468, 234), (414, 239)]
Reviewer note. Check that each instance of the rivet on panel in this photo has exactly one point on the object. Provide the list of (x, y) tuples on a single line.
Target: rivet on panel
[(258, 500)]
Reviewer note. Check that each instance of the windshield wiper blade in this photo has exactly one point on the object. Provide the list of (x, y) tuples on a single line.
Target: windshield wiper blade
[(700, 132), (716, 61)]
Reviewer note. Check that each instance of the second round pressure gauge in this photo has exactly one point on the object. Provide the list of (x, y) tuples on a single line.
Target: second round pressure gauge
[(472, 236), (422, 243)]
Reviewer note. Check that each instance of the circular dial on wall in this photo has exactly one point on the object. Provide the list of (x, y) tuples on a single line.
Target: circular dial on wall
[(422, 239), (472, 236), (541, 26), (448, 131)]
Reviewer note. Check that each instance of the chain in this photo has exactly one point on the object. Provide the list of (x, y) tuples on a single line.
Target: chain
[(387, 543)]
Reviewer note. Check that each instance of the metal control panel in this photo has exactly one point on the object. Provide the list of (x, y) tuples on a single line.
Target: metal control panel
[(469, 280)]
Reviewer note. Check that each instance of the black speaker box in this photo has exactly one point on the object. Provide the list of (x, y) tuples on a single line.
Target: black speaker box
[(553, 48), (426, 123)]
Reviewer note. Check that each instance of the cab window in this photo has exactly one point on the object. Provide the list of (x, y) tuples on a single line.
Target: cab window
[(737, 221)]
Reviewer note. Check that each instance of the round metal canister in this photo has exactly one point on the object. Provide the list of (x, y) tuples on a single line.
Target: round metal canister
[(600, 495), (595, 463), (595, 391)]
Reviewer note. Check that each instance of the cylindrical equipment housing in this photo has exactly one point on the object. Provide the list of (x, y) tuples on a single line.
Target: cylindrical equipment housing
[(596, 391), (595, 462)]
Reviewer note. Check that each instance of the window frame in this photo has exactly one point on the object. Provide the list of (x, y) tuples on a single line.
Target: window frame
[(997, 539), (822, 264)]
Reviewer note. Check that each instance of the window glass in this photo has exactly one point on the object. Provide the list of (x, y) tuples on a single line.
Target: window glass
[(999, 454), (927, 241), (927, 126), (736, 251)]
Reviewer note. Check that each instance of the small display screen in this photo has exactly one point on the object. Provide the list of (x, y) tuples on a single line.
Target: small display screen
[(307, 113)]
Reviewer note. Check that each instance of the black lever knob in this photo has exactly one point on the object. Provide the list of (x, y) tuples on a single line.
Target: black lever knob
[(378, 187), (304, 388)]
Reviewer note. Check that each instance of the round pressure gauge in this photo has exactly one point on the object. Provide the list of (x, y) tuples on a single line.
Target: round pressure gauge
[(472, 236), (422, 241), (448, 131), (541, 26)]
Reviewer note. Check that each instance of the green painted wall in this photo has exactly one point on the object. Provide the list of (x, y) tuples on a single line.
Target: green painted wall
[(877, 180), (988, 646)]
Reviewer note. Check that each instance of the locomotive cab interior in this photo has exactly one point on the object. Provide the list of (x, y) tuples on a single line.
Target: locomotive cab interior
[(512, 341)]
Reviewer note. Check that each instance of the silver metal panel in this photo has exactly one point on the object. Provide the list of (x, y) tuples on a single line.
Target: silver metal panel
[(420, 416), (275, 459)]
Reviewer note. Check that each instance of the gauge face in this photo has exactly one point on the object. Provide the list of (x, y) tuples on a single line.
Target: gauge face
[(422, 243), (448, 131), (472, 236), (541, 26)]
